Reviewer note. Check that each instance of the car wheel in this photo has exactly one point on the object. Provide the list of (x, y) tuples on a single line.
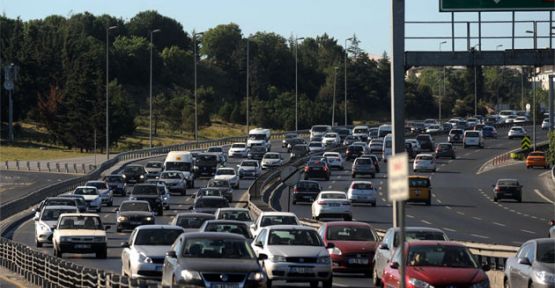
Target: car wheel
[(98, 210), (268, 283), (328, 283), (294, 202), (519, 199), (38, 243), (428, 202), (167, 207), (354, 175), (495, 199), (373, 204), (111, 203), (184, 192), (101, 254), (118, 229), (347, 217), (506, 284)]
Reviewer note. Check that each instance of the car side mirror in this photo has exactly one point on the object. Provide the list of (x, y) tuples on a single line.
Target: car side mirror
[(124, 244), (486, 267), (262, 257), (524, 261), (330, 246), (383, 246), (394, 265), (238, 165), (171, 254), (107, 227)]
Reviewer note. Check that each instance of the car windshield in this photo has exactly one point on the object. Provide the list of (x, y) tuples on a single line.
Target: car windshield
[(271, 156), (362, 186), (157, 237), (355, 148), (145, 190), (308, 185), (239, 215), (294, 237), (218, 183), (179, 166), (217, 248), (472, 134), (114, 179), (546, 252), (209, 192), (423, 138), (278, 220), (419, 182), (333, 196), (319, 128), (98, 185), (53, 214), (456, 132), (360, 131), (349, 233), (81, 222), (257, 136), (60, 202), (249, 164), (440, 256), (258, 149), (225, 172), (238, 145), (170, 175), (444, 146), (425, 157), (215, 150), (134, 206), (315, 144), (234, 228), (85, 191), (330, 135), (154, 165), (133, 169), (191, 221), (207, 158), (211, 203), (507, 183)]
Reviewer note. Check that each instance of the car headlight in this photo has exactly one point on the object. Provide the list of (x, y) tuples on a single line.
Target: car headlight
[(334, 251), (148, 219), (122, 218), (277, 258), (545, 277), (142, 176), (145, 259), (188, 275), (123, 175), (419, 283), (324, 260), (257, 276)]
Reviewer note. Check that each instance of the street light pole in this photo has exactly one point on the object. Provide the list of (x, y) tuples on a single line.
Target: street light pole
[(195, 67), (346, 54), (441, 96), (499, 83), (297, 83), (107, 92), (334, 90), (248, 61), (150, 89), (475, 82), (534, 110)]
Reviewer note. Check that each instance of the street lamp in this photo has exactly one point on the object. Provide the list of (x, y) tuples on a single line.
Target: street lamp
[(346, 54), (248, 65), (150, 90), (108, 93), (297, 83), (195, 59), (499, 83), (441, 96), (334, 90), (475, 82)]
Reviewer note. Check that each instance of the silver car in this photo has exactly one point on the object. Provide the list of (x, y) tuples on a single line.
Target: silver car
[(143, 255), (294, 253), (175, 181), (533, 265)]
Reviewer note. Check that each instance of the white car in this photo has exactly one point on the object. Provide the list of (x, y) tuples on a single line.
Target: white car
[(433, 129), (510, 119), (103, 190), (332, 204), (229, 174), (80, 233), (414, 143), (335, 160), (266, 219), (424, 162), (362, 191), (238, 150), (316, 147), (516, 132), (249, 168), (471, 122), (430, 122), (294, 253), (175, 181), (545, 124), (143, 256), (331, 139), (521, 119), (271, 159), (473, 138), (47, 220), (91, 195)]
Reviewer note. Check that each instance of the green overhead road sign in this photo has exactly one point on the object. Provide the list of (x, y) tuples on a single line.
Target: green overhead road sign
[(525, 144), (496, 5)]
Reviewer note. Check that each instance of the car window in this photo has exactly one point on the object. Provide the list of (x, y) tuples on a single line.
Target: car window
[(363, 161), (154, 165), (546, 252), (145, 190), (440, 256), (217, 248), (262, 236), (191, 222), (362, 186), (235, 215), (54, 214), (420, 235), (350, 234), (81, 222), (295, 237), (225, 172), (157, 237), (85, 191), (278, 220), (271, 156), (332, 196), (472, 134), (240, 229), (170, 175), (98, 185), (134, 206), (211, 203), (249, 164), (419, 182)]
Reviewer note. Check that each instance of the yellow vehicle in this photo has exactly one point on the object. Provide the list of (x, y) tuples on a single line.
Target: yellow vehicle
[(420, 189)]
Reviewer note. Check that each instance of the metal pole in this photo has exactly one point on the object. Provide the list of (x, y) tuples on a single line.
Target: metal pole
[(289, 199), (397, 111), (195, 80), (522, 89), (534, 110), (334, 90), (453, 31), (10, 116), (150, 94), (346, 54), (441, 96), (248, 59), (475, 91), (513, 32), (296, 86), (108, 92), (95, 147), (536, 35), (551, 102), (480, 30)]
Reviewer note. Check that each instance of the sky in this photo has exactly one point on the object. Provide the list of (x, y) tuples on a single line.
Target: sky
[(368, 19)]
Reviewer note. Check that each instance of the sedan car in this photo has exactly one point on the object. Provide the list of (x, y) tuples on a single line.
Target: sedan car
[(227, 226), (335, 160), (116, 183), (257, 152), (266, 219), (516, 132), (349, 139), (220, 151), (292, 142), (332, 204), (229, 174), (133, 213), (363, 166), (238, 150), (445, 150), (175, 181), (46, 222), (507, 188), (489, 132), (436, 264), (316, 169), (81, 233), (191, 222), (153, 168), (90, 193), (79, 199), (143, 256), (134, 173), (103, 190), (213, 259), (299, 151), (305, 191), (424, 162), (532, 266), (536, 159), (354, 245), (271, 159), (316, 147), (287, 137), (249, 168), (426, 142), (331, 139), (294, 253), (363, 192)]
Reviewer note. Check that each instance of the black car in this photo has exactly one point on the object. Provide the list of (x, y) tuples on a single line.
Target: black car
[(213, 255), (134, 173), (354, 151), (316, 169), (299, 151), (288, 137), (209, 204), (257, 152), (133, 213), (507, 189), (445, 150), (342, 132), (306, 191), (150, 193), (206, 164), (116, 183), (425, 141), (292, 142), (222, 185)]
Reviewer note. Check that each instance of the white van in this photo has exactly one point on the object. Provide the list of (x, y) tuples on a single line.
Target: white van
[(181, 161), (259, 137), (387, 147), (383, 130), (361, 131)]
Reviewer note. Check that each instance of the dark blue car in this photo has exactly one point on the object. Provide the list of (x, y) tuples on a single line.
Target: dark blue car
[(489, 132)]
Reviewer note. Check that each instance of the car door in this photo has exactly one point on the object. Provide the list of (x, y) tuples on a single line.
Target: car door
[(125, 262), (382, 255), (260, 240), (516, 272)]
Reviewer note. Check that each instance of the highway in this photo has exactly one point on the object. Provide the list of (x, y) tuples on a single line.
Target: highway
[(16, 184)]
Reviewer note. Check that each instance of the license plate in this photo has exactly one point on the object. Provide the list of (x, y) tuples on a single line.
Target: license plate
[(224, 285), (316, 168), (82, 246), (334, 204), (135, 223), (358, 261), (300, 270)]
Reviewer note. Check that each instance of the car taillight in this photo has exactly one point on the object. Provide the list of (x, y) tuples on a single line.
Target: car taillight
[(321, 202), (497, 189), (296, 190), (326, 168), (305, 168)]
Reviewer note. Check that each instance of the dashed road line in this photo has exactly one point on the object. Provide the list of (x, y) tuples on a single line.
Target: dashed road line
[(425, 222), (410, 216), (460, 213), (479, 236), (448, 207), (528, 231), (449, 229), (477, 218), (498, 224)]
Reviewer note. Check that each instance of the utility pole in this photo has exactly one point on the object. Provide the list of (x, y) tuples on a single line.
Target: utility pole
[(334, 90), (150, 90), (346, 54), (441, 96), (107, 91), (195, 59), (248, 64), (551, 102), (297, 83)]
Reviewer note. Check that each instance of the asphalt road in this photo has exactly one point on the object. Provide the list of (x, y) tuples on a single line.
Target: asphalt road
[(16, 184)]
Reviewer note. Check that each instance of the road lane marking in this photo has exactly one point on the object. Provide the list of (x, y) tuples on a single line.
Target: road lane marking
[(543, 196), (477, 218), (499, 224), (449, 229), (448, 207), (460, 213), (425, 222), (438, 201), (527, 231), (479, 236), (410, 216), (329, 186), (333, 181)]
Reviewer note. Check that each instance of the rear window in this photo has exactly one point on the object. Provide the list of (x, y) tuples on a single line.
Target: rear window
[(355, 148), (211, 203), (424, 157), (456, 132), (350, 234), (154, 165), (238, 145), (278, 220), (472, 134), (319, 128), (362, 186), (145, 190), (423, 138), (364, 161), (419, 182), (507, 183), (333, 196), (192, 222), (308, 185)]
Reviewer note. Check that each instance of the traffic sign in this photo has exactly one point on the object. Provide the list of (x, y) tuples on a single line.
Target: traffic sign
[(398, 173), (525, 144), (495, 5)]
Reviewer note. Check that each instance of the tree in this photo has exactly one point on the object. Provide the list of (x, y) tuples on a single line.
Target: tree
[(171, 32)]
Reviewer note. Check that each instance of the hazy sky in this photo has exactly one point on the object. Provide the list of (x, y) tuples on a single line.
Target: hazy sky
[(368, 19)]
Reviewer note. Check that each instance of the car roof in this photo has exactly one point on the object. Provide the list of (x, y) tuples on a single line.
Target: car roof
[(158, 226), (361, 182), (82, 187), (425, 154), (234, 209), (333, 192), (134, 201), (433, 243), (347, 223), (213, 235), (82, 214), (54, 207), (419, 228), (95, 181), (212, 197), (226, 221), (277, 213), (289, 227), (194, 214)]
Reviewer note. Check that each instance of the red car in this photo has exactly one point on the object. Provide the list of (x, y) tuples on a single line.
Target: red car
[(355, 244), (436, 264)]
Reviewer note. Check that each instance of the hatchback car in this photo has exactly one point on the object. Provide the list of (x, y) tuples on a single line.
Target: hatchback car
[(489, 132), (507, 189), (331, 139), (305, 191), (424, 162), (175, 181), (153, 168), (229, 174), (316, 147), (536, 159), (316, 169), (335, 160), (332, 204), (445, 150), (545, 124), (223, 185), (238, 150), (363, 166), (191, 222), (299, 151), (426, 142), (516, 132), (532, 266), (116, 183), (249, 168), (257, 152), (354, 151), (133, 213), (455, 136), (362, 192), (271, 159), (287, 138)]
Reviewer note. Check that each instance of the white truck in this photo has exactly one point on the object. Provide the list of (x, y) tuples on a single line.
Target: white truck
[(260, 137), (181, 161)]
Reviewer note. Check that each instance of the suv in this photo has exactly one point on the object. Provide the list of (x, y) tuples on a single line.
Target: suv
[(354, 151), (80, 233), (306, 190), (426, 142), (316, 169), (455, 136), (299, 151), (249, 168), (363, 166), (150, 193), (473, 138)]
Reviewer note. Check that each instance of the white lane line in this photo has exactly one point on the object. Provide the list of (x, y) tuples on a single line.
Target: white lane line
[(448, 207), (460, 213), (480, 189), (383, 199), (438, 201), (534, 217), (527, 231), (425, 222), (381, 182), (449, 229), (499, 224), (479, 236), (410, 216), (544, 198), (106, 216), (381, 194), (477, 218)]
